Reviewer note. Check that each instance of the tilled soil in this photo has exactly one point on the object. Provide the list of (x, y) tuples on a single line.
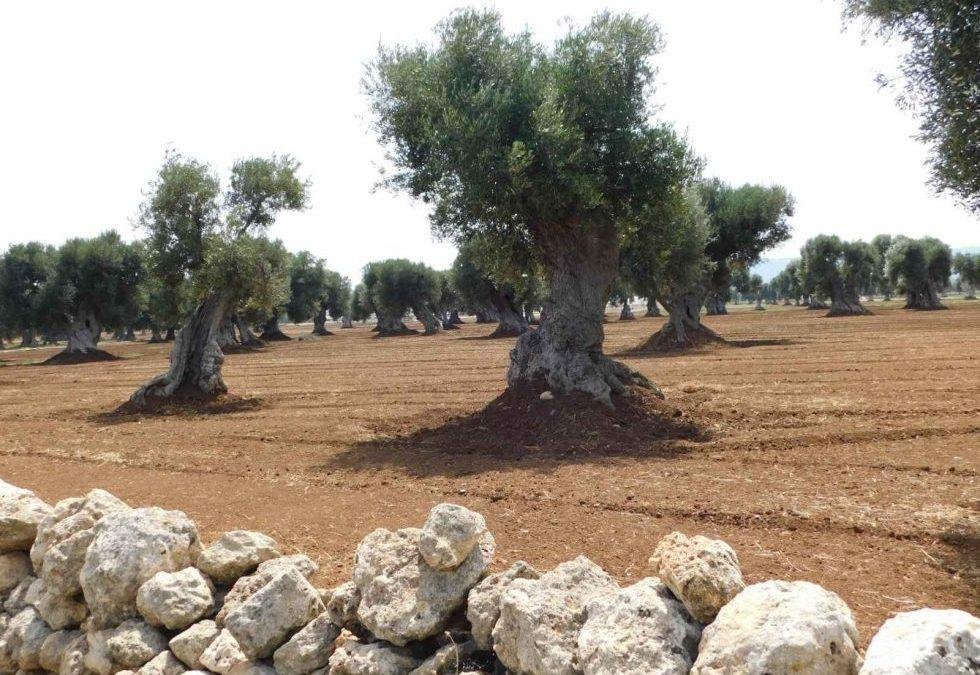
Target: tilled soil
[(841, 451)]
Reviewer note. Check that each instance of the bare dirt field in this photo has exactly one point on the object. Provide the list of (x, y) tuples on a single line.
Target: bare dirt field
[(841, 451)]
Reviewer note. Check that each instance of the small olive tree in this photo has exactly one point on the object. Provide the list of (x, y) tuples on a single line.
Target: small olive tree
[(841, 271), (316, 292), (967, 265), (24, 270), (396, 286), (920, 269)]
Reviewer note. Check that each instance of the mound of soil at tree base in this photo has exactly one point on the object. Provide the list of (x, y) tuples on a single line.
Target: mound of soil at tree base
[(665, 340), (278, 336), (519, 421), (72, 358), (501, 332), (183, 404), (242, 349)]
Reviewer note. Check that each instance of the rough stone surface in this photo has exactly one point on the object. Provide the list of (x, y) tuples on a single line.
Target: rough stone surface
[(235, 554), (60, 612), (377, 658), (449, 534), (540, 619), (309, 649), (252, 668), (402, 598), (266, 619), (73, 658), (128, 549), (22, 595), (780, 627), (934, 641), (54, 647), (342, 604), (175, 600), (447, 659), (703, 573), (191, 643), (483, 603), (223, 654), (164, 663), (14, 568), (245, 587), (24, 637), (133, 643), (96, 656), (20, 513), (639, 630)]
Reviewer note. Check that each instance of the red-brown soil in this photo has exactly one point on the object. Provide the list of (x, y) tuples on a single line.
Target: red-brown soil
[(842, 451)]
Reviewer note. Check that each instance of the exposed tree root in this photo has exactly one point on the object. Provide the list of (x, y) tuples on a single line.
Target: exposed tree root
[(66, 358)]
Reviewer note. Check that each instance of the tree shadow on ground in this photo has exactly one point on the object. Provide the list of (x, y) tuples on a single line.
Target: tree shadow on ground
[(519, 429), (181, 407), (644, 350), (76, 358), (963, 558)]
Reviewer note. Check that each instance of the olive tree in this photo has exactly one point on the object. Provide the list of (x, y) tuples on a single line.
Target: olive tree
[(485, 282), (967, 266), (840, 270), (879, 277), (756, 286), (24, 270), (553, 146), (316, 292), (398, 285), (920, 269), (183, 210)]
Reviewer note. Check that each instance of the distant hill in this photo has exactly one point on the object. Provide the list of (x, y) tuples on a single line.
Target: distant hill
[(770, 267)]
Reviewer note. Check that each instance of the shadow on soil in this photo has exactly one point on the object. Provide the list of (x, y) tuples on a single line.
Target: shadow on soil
[(645, 351), (519, 429), (188, 407)]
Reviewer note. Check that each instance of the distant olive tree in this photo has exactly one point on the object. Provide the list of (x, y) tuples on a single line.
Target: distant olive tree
[(24, 270), (840, 270), (316, 292), (920, 269), (397, 286), (967, 265)]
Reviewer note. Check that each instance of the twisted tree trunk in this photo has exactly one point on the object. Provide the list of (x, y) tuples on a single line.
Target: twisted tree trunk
[(971, 292), (626, 314), (758, 302), (454, 318), (565, 353), (653, 309), (924, 296), (390, 326), (715, 304), (84, 334), (195, 360), (345, 321), (155, 336), (28, 338), (272, 331), (486, 315), (171, 335), (843, 303), (510, 321), (320, 322), (683, 328), (245, 335), (424, 314), (226, 334)]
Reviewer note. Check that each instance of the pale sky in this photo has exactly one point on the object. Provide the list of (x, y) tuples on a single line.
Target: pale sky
[(93, 93)]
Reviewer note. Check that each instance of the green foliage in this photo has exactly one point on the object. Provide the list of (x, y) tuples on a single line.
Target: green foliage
[(879, 279), (397, 285), (251, 272), (941, 72), (313, 287), (913, 265), (24, 270), (839, 269), (261, 187), (967, 266), (361, 308)]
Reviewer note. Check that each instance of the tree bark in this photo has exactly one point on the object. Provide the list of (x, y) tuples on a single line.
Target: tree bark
[(171, 335), (345, 321), (971, 292), (652, 308), (155, 336), (424, 314), (683, 327), (925, 296), (626, 314), (486, 315), (245, 335), (272, 331), (758, 302), (389, 326), (715, 304), (28, 338), (320, 322), (195, 360), (510, 321), (843, 303), (454, 318), (226, 334), (566, 351), (83, 334)]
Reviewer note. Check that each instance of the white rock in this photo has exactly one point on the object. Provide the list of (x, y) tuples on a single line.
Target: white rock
[(934, 641), (447, 659), (540, 619), (60, 612), (164, 663), (252, 668), (22, 595), (483, 603), (14, 568), (449, 534), (402, 598), (73, 658), (235, 554), (54, 647), (96, 657), (223, 654), (245, 587), (342, 604), (546, 396), (20, 512), (377, 658), (190, 644), (309, 649), (780, 627), (24, 637), (175, 600), (267, 618), (133, 643), (639, 630), (703, 573), (128, 549)]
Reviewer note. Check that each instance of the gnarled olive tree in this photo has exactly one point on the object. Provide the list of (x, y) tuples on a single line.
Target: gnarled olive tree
[(920, 268), (396, 286), (315, 292), (841, 270), (553, 146), (967, 265)]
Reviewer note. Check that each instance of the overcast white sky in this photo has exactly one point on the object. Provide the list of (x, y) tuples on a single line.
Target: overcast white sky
[(94, 92)]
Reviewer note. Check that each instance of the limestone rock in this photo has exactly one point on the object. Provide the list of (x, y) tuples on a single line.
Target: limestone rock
[(402, 598), (483, 604), (96, 657), (20, 512), (133, 643), (703, 573), (780, 627), (23, 594), (447, 659), (24, 637), (934, 641), (376, 658), (164, 663), (540, 619), (342, 604), (235, 554), (73, 657), (252, 668), (60, 612), (223, 654), (175, 600), (55, 646), (267, 618), (14, 568), (190, 644), (449, 534), (245, 587), (309, 649), (128, 549), (639, 630)]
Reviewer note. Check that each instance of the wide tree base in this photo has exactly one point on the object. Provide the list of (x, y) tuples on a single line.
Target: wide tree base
[(189, 401), (502, 331), (850, 309), (666, 340), (274, 336), (66, 358), (322, 332)]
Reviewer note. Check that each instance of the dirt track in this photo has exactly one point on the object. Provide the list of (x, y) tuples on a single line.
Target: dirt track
[(842, 451)]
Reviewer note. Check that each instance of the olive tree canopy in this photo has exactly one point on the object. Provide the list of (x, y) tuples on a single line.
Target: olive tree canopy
[(920, 268), (840, 270)]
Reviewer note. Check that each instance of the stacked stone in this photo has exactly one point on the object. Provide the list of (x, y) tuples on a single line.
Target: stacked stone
[(93, 586)]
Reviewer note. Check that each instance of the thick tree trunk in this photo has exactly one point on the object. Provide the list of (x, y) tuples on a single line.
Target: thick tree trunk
[(195, 360), (226, 334), (924, 297), (683, 328), (389, 326), (715, 305), (245, 335), (758, 302), (83, 334), (130, 333), (843, 303), (155, 336), (566, 351), (454, 318), (28, 338), (320, 322), (626, 314), (510, 321), (652, 308), (971, 292), (486, 315), (171, 335), (345, 321), (272, 331), (431, 322), (813, 302)]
